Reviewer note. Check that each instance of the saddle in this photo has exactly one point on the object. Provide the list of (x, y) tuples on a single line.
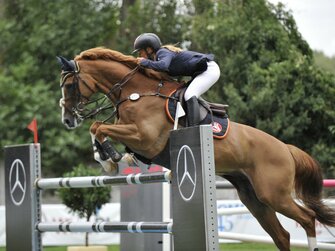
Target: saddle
[(210, 113)]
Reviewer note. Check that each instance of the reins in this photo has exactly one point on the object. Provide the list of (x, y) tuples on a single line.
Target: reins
[(114, 93)]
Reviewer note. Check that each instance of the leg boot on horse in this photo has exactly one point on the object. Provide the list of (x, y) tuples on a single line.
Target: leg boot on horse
[(103, 155), (111, 151), (103, 145)]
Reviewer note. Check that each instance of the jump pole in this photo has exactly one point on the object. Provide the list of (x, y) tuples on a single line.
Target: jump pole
[(194, 225)]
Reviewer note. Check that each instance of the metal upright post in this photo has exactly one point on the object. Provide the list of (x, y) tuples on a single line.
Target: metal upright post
[(22, 167), (193, 190)]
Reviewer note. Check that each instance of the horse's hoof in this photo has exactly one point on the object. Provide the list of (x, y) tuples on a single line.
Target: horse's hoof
[(129, 159), (110, 167)]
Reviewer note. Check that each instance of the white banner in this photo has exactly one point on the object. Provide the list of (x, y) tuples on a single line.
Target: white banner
[(243, 223), (247, 224)]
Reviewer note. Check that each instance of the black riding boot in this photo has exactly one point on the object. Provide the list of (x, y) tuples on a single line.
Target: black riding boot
[(193, 112)]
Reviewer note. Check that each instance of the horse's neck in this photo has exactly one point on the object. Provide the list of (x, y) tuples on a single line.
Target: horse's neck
[(109, 73), (105, 73)]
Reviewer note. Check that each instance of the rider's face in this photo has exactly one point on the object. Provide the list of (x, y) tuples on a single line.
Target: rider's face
[(142, 53), (146, 53)]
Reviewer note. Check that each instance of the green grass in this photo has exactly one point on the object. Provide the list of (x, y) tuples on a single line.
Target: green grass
[(253, 247), (223, 247)]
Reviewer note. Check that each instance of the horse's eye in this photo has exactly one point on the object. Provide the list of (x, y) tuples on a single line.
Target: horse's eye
[(69, 87)]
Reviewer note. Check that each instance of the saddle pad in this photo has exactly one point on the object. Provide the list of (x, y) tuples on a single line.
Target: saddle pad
[(220, 125)]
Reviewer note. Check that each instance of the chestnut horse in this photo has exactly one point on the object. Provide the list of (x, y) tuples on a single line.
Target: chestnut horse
[(264, 171)]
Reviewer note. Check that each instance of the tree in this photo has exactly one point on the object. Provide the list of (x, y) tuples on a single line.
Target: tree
[(31, 38), (269, 77), (84, 201), (324, 62), (166, 18)]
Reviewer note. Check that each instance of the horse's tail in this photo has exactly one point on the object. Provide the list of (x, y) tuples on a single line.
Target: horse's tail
[(309, 184)]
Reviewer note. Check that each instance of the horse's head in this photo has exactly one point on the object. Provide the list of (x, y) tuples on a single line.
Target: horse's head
[(75, 93)]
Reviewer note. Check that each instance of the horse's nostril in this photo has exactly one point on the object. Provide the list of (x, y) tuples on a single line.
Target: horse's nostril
[(67, 122)]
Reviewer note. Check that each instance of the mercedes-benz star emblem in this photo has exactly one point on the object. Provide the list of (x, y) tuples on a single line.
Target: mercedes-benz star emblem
[(186, 173), (17, 182)]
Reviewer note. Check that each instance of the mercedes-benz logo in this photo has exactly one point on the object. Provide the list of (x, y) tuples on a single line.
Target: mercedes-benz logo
[(186, 173), (17, 182)]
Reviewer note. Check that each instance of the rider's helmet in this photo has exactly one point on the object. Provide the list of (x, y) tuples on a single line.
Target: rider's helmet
[(147, 40)]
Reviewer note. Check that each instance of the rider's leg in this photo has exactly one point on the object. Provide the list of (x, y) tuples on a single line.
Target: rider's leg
[(198, 86), (193, 115)]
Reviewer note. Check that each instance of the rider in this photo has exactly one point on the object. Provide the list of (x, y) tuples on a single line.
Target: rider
[(177, 62)]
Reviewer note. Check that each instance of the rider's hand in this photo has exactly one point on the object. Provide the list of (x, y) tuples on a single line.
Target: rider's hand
[(139, 59)]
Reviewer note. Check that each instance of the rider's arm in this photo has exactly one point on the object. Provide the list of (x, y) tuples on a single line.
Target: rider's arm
[(164, 58)]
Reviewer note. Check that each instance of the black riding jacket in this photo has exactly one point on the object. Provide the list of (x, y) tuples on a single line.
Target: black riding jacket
[(184, 63)]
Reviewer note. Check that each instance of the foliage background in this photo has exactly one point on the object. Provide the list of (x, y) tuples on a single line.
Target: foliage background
[(270, 77)]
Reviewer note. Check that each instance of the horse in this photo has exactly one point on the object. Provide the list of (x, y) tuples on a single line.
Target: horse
[(265, 171)]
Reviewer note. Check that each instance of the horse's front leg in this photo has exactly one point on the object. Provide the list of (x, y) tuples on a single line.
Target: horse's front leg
[(103, 146), (99, 154), (104, 151)]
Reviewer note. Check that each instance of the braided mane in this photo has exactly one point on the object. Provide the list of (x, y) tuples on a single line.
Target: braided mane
[(108, 55)]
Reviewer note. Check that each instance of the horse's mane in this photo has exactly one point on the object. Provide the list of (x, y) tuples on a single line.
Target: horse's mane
[(103, 53), (107, 54)]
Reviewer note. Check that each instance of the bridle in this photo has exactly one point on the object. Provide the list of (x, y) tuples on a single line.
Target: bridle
[(108, 101), (102, 103), (80, 110)]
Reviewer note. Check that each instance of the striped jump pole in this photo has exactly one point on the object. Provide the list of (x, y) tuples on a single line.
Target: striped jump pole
[(102, 181), (107, 227), (192, 176)]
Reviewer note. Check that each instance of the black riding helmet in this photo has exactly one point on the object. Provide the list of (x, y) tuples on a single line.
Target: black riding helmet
[(147, 40)]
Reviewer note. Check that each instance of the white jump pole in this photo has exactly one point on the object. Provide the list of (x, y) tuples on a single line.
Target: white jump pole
[(268, 240), (233, 211)]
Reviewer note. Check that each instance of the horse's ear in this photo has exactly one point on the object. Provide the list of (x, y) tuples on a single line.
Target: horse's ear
[(65, 64)]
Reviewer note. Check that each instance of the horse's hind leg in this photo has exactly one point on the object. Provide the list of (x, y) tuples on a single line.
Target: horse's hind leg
[(304, 216), (263, 213), (275, 191)]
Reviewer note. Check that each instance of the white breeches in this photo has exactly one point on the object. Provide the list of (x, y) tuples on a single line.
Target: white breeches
[(203, 81)]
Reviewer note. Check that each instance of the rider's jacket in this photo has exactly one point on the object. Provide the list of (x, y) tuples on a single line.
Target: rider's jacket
[(184, 63)]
